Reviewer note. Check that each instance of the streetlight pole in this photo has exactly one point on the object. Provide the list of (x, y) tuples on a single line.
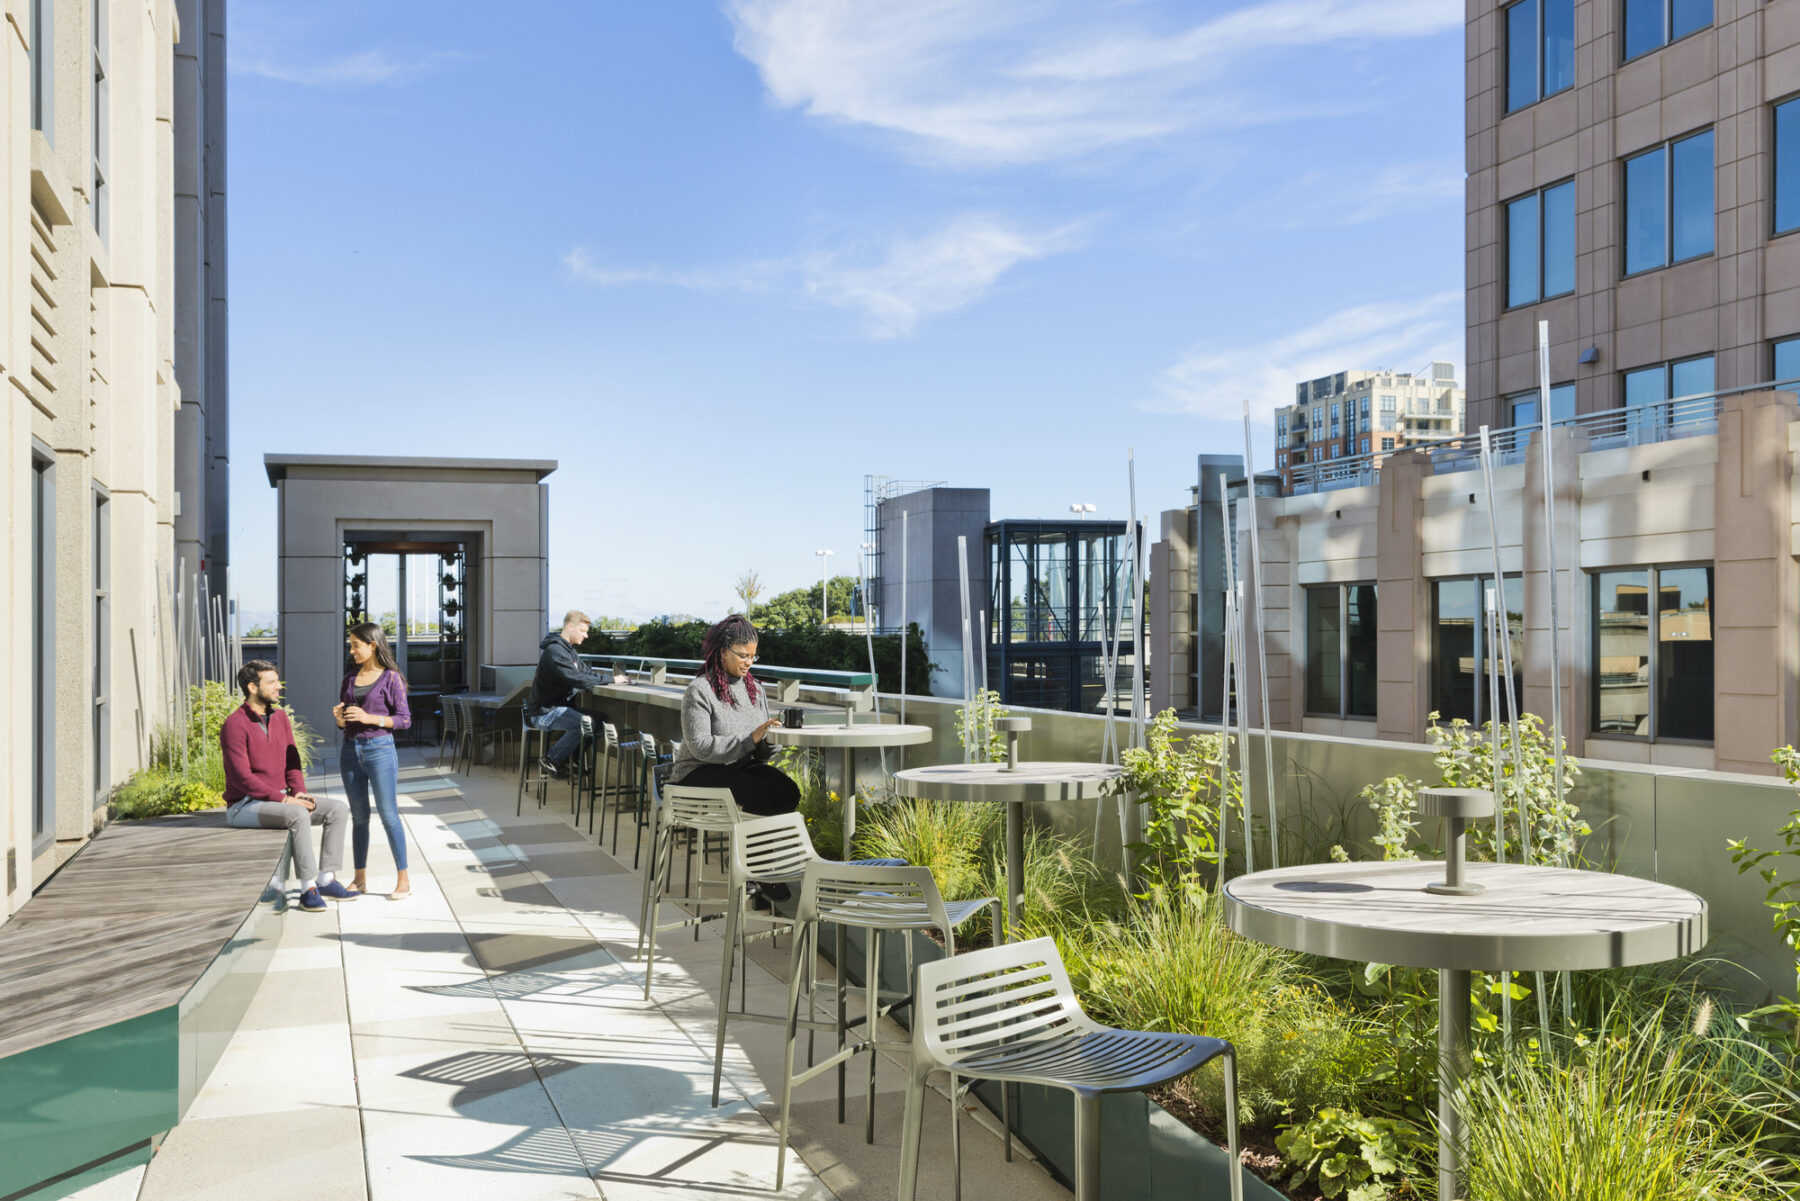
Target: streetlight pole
[(1081, 510), (824, 584)]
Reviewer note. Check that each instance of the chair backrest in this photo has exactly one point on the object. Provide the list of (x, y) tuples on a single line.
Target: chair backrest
[(770, 848), (987, 999), (699, 808), (452, 709), (885, 898), (647, 744)]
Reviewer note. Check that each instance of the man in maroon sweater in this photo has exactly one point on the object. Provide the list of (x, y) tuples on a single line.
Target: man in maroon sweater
[(265, 788)]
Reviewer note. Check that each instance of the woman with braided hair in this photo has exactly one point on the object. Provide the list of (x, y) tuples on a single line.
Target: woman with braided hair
[(724, 723)]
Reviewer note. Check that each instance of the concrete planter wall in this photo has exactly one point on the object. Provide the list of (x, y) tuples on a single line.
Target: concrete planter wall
[(1146, 1153)]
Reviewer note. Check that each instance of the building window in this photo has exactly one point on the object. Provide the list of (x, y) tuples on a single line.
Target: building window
[(1340, 650), (1787, 362), (1652, 24), (1669, 203), (1281, 425), (102, 121), (102, 647), (1657, 687), (1461, 659), (43, 69), (1522, 407), (1540, 50), (1387, 444), (1540, 244), (1318, 453), (1787, 166), (1365, 446), (1650, 417), (43, 652)]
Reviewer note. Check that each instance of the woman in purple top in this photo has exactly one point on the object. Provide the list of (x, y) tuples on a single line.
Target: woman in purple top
[(371, 705)]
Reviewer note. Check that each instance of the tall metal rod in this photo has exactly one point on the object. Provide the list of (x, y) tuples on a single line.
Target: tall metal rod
[(1112, 618), (905, 630), (1225, 635), (1491, 628), (1262, 641), (1556, 722), (962, 569), (1139, 635), (1241, 653), (1234, 637), (1506, 659)]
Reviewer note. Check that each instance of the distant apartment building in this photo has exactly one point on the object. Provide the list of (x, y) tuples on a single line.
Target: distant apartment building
[(112, 455), (1633, 182), (1357, 414)]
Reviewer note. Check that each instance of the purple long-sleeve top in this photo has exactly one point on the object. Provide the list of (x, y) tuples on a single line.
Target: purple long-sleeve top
[(387, 698)]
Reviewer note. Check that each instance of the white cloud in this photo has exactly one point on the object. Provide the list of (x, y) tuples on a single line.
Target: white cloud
[(364, 68), (1333, 200), (1214, 380), (1037, 80), (895, 284)]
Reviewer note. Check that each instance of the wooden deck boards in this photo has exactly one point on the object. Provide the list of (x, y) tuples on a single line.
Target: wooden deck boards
[(128, 925)]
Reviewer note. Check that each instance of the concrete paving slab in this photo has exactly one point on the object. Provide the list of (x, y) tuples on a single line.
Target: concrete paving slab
[(312, 1153)]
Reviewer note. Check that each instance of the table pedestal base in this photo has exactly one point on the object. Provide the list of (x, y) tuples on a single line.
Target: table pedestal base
[(1453, 1069)]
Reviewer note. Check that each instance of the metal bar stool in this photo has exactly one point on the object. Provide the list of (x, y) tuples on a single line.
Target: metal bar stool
[(698, 812), (639, 793), (450, 729), (767, 850), (1009, 1014), (531, 768), (879, 900)]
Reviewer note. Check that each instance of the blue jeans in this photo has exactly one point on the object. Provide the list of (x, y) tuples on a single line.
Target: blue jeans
[(571, 722), (366, 763)]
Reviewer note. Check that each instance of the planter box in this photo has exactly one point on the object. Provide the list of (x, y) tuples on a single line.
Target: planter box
[(1146, 1153)]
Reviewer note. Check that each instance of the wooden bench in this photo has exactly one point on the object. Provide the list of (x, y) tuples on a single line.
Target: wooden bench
[(121, 981)]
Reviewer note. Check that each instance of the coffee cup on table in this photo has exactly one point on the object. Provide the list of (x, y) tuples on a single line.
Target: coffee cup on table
[(793, 718)]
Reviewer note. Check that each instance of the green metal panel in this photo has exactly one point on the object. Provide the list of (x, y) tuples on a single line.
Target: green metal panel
[(69, 1103)]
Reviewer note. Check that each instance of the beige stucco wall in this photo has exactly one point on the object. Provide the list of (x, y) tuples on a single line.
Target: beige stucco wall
[(1725, 499), (87, 330)]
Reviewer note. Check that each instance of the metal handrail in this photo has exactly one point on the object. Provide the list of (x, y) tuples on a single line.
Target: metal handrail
[(1680, 417)]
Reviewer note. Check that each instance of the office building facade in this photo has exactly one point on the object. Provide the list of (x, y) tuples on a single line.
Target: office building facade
[(114, 325)]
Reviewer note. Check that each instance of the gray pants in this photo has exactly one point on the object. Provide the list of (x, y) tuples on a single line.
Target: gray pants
[(330, 812)]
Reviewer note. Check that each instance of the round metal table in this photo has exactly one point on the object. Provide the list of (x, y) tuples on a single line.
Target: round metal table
[(1012, 786), (1525, 918), (849, 739)]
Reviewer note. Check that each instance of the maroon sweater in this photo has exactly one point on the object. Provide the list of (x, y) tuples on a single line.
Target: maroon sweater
[(261, 760)]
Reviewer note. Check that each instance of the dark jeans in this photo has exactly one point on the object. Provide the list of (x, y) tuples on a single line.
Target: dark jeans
[(371, 765), (758, 789)]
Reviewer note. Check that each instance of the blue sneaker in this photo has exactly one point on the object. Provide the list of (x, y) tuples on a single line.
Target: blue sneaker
[(337, 892), (312, 902)]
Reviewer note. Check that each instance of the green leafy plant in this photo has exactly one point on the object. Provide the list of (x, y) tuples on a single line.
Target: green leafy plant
[(1352, 1156), (1464, 756), (975, 724), (154, 792), (1782, 1019), (942, 835), (1168, 962), (1636, 1113), (1177, 781)]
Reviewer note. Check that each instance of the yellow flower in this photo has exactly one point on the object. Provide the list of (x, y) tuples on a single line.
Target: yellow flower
[(832, 795)]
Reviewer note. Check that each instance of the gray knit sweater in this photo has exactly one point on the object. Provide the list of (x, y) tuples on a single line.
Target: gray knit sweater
[(714, 731)]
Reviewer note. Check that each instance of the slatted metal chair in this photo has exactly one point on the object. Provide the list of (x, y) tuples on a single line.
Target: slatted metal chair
[(450, 729), (880, 900), (1009, 1014), (649, 758), (766, 850), (697, 812)]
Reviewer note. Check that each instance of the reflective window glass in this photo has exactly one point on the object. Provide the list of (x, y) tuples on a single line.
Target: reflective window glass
[(1684, 653), (1646, 211), (1621, 670)]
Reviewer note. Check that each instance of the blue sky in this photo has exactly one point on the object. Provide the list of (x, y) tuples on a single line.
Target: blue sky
[(723, 259)]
